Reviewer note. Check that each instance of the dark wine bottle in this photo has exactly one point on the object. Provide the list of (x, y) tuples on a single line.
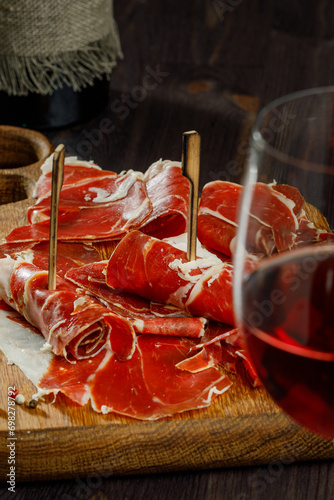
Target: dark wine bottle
[(55, 61), (62, 108)]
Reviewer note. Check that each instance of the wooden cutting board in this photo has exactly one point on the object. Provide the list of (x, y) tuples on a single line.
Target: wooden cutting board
[(63, 440)]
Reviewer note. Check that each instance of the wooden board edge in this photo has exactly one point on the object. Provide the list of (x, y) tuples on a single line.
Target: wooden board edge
[(201, 444)]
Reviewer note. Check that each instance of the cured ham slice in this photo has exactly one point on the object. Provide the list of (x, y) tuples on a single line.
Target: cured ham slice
[(144, 316), (105, 220), (140, 264), (156, 270), (235, 344), (177, 326), (152, 386), (73, 324), (209, 351), (69, 255), (103, 192), (211, 296), (75, 171), (273, 212), (99, 205), (92, 279), (217, 215), (168, 191), (208, 356), (148, 386), (94, 204)]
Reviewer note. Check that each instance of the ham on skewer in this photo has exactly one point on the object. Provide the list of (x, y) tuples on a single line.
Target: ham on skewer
[(156, 270), (144, 316), (98, 222), (98, 205), (73, 324)]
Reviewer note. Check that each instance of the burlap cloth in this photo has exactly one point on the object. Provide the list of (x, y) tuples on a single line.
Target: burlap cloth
[(45, 44)]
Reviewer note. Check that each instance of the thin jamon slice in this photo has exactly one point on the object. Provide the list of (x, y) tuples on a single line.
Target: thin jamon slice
[(291, 193), (212, 295), (140, 265), (69, 255), (139, 311), (156, 270), (209, 356), (150, 386), (110, 221), (103, 191), (168, 191), (215, 332), (92, 207), (182, 326), (209, 351), (75, 171), (273, 223), (276, 211), (73, 324), (236, 346), (147, 387), (218, 214), (91, 278)]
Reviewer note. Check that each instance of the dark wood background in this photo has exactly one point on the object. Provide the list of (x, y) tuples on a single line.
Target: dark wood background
[(215, 62)]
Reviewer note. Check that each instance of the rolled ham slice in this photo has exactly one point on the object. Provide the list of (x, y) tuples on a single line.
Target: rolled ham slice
[(148, 386), (144, 316), (158, 271), (168, 191), (73, 324)]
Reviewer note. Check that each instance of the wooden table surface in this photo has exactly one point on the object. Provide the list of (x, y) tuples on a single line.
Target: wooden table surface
[(215, 63)]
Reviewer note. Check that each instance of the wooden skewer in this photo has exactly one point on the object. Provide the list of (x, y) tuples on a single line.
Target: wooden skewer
[(191, 168), (57, 182)]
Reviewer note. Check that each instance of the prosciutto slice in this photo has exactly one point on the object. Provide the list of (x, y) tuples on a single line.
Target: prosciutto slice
[(74, 325), (144, 316), (94, 205), (217, 215), (273, 216), (69, 255), (156, 270), (168, 191), (75, 171), (148, 386), (136, 388)]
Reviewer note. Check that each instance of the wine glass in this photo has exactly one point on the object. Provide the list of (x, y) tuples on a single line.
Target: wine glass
[(284, 256)]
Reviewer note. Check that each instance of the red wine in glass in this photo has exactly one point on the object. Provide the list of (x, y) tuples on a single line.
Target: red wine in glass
[(288, 324)]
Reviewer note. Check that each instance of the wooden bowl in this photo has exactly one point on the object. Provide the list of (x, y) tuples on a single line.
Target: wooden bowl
[(22, 152)]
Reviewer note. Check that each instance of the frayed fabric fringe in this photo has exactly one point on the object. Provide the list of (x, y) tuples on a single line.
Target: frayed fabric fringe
[(20, 75)]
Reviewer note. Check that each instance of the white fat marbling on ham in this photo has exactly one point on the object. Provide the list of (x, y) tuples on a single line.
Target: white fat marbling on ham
[(180, 242), (178, 296), (158, 166), (208, 276), (46, 168), (218, 215), (132, 215), (103, 196)]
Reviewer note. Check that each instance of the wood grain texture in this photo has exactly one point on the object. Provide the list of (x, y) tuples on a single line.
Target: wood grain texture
[(242, 427)]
